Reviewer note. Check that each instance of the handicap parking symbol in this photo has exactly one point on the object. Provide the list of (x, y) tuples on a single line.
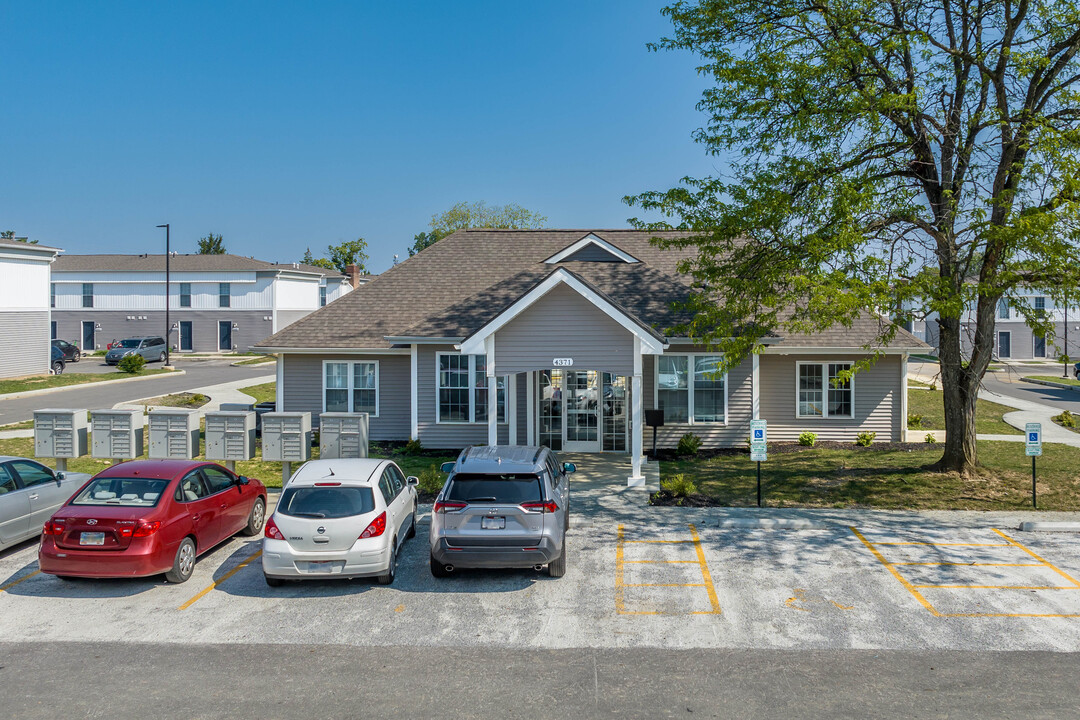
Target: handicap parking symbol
[(1033, 437), (759, 434)]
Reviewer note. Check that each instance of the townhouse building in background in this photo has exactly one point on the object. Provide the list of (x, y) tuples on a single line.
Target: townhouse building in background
[(24, 308), (218, 303)]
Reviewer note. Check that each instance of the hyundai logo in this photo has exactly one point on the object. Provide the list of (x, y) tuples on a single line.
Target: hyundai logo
[(321, 530), (91, 522)]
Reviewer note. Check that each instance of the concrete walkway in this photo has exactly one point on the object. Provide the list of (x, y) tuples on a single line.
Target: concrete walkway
[(599, 487), (1026, 410)]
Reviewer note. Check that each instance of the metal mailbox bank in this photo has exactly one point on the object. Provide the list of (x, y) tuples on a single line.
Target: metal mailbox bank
[(174, 433), (60, 434), (116, 434), (343, 435), (230, 436), (286, 438)]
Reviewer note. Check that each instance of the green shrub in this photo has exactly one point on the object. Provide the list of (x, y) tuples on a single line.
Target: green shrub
[(432, 480), (132, 364), (679, 485), (689, 444), (413, 447), (808, 439), (914, 421), (933, 387), (864, 439), (930, 439), (1067, 419)]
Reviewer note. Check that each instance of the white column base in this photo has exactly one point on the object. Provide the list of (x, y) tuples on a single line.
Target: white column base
[(635, 481)]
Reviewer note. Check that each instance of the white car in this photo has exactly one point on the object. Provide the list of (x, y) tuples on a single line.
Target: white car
[(340, 519), (29, 494)]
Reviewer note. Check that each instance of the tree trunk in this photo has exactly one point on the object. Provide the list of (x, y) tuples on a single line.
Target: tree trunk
[(959, 395)]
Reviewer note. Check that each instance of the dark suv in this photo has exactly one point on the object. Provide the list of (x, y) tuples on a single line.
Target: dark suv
[(502, 507), (151, 348), (69, 351)]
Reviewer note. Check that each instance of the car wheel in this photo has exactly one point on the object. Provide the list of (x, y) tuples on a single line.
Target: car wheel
[(557, 567), (58, 368), (273, 581), (412, 525), (388, 577), (255, 519), (438, 569), (76, 357), (161, 357), (184, 563)]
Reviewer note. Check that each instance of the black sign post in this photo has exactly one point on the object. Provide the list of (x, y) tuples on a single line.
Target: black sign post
[(759, 483), (1034, 499)]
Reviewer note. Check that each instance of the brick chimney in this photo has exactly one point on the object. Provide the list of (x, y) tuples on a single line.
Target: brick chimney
[(353, 273)]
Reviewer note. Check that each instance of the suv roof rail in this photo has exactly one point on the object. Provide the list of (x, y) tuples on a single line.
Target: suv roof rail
[(538, 451), (464, 454)]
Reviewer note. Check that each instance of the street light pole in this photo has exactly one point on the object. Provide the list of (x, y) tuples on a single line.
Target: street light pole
[(1065, 370), (168, 324)]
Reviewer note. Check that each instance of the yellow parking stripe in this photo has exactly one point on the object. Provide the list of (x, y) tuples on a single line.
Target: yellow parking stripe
[(946, 544), (621, 585), (666, 542), (713, 600), (1047, 563), (998, 587), (973, 564), (896, 573), (13, 583), (657, 562), (664, 585), (223, 578)]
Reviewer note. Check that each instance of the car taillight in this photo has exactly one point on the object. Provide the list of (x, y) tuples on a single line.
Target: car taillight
[(53, 528), (272, 531), (146, 528), (540, 507), (376, 528), (443, 507)]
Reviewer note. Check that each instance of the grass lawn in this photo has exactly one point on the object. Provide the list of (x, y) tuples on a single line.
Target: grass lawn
[(180, 400), (24, 425), (262, 360), (267, 392), (888, 479), (1056, 379), (40, 382), (928, 403)]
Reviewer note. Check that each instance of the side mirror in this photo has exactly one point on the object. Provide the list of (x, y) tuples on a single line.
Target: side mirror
[(243, 480), (59, 475), (447, 467), (569, 467), (412, 480)]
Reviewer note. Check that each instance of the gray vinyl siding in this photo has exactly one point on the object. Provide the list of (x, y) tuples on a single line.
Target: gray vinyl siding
[(740, 408), (251, 326), (563, 324), (876, 403), (434, 434), (1022, 340), (26, 348), (303, 391)]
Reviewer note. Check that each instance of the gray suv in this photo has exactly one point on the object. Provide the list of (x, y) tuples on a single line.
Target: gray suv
[(502, 507), (151, 348)]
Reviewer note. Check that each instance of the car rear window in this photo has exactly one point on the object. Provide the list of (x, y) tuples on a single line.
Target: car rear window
[(495, 488), (126, 492), (127, 344), (326, 502)]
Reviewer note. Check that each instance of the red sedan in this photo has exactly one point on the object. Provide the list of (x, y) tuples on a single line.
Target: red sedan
[(148, 517)]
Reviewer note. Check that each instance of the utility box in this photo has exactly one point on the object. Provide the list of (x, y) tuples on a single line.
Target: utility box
[(116, 434), (343, 435), (230, 435), (286, 436), (174, 434), (60, 433)]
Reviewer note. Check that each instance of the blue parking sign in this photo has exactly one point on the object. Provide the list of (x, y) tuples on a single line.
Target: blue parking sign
[(1033, 437), (759, 434)]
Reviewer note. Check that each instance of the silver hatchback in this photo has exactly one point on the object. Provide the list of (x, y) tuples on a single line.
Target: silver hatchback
[(502, 507)]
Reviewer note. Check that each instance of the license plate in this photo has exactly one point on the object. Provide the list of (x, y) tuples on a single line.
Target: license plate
[(92, 538), (325, 566), (492, 523)]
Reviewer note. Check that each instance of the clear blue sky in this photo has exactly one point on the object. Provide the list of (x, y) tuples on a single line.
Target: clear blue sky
[(288, 125)]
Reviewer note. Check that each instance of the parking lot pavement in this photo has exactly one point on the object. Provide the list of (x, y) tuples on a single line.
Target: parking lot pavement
[(672, 578)]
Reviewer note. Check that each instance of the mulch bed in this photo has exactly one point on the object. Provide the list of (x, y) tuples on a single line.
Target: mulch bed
[(669, 454)]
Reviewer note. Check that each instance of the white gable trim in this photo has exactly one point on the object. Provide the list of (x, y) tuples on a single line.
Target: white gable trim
[(591, 239), (475, 343)]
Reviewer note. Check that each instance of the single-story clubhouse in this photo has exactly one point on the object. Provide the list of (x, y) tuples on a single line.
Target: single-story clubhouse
[(565, 329)]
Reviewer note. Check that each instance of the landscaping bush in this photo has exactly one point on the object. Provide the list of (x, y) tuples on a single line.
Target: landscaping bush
[(689, 444), (1067, 419), (808, 439), (864, 439), (413, 447), (914, 421), (132, 364), (431, 480), (933, 387), (679, 485), (930, 439)]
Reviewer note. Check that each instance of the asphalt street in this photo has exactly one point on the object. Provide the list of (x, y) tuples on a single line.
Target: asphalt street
[(197, 374), (108, 680), (1007, 382)]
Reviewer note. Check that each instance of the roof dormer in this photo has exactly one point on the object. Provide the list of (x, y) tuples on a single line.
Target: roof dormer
[(591, 248)]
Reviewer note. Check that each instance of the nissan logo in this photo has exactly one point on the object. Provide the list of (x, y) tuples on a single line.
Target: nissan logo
[(91, 522), (321, 530)]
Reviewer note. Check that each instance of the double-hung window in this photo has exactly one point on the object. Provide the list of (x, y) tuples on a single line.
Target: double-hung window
[(691, 389), (52, 294), (1040, 303), (1003, 309), (88, 295), (322, 296), (463, 391), (224, 294), (351, 387), (821, 391), (185, 294)]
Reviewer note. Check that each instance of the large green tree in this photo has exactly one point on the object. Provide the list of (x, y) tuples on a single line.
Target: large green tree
[(10, 235), (476, 215), (211, 245), (350, 252), (881, 155)]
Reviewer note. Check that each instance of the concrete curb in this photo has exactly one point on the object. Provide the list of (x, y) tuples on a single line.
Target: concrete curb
[(1063, 386), (245, 363), (772, 524), (1040, 526), (103, 383)]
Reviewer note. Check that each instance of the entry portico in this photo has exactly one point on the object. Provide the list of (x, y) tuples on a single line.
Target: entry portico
[(578, 347)]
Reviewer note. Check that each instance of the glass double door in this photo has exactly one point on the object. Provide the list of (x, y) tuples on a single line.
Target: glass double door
[(582, 411)]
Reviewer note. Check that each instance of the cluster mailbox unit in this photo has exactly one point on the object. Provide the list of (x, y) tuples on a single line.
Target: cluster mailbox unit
[(60, 434), (174, 433), (286, 438), (117, 434), (230, 436), (343, 435)]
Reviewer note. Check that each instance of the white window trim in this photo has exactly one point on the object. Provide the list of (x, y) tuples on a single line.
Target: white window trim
[(351, 387), (825, 389), (224, 294), (689, 387), (472, 394)]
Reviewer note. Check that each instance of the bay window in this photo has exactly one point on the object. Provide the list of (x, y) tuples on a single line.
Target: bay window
[(821, 391), (463, 390), (690, 389), (351, 387)]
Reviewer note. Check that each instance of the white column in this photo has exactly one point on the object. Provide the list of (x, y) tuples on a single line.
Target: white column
[(636, 416), (493, 390), (414, 396), (530, 408), (903, 397), (279, 386), (755, 387), (511, 407)]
